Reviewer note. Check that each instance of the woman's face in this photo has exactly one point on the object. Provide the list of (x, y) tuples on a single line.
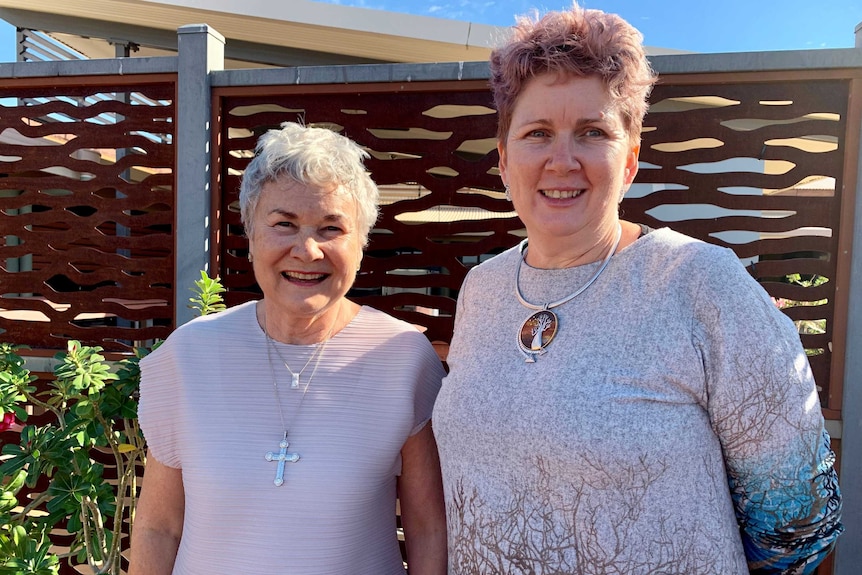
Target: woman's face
[(306, 247), (567, 160)]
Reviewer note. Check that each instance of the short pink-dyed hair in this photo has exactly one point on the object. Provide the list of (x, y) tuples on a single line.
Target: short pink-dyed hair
[(576, 42)]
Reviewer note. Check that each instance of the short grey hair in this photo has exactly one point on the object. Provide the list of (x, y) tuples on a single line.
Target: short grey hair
[(310, 156)]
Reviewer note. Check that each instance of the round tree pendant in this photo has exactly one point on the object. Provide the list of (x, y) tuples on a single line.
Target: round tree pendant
[(537, 332)]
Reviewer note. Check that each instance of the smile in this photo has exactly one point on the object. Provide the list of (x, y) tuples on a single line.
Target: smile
[(561, 194), (303, 277)]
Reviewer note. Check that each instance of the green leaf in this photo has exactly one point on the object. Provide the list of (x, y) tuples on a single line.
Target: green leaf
[(208, 297)]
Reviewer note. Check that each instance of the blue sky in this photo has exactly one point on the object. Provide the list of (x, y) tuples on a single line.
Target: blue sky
[(717, 26)]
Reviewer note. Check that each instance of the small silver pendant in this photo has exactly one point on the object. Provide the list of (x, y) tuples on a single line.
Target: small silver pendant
[(536, 333)]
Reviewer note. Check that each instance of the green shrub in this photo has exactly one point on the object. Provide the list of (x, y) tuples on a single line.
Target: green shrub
[(90, 415)]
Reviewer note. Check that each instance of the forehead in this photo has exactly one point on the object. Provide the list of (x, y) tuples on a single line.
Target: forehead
[(551, 94), (288, 190), (289, 196)]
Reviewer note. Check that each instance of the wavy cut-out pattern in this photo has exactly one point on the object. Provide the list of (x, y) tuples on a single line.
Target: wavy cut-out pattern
[(87, 209), (755, 167)]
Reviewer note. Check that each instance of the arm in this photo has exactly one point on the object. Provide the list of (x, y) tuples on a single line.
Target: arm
[(420, 489), (764, 407), (158, 521)]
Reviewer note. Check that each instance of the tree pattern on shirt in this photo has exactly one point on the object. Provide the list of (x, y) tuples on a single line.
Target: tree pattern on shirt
[(548, 532)]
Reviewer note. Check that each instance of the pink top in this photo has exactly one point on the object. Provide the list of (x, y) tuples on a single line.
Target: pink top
[(208, 407)]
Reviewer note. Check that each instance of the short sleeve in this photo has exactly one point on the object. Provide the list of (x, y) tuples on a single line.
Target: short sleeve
[(429, 376), (159, 408)]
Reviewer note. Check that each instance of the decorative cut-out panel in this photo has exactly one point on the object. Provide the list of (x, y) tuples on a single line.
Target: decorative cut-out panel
[(755, 167), (86, 212)]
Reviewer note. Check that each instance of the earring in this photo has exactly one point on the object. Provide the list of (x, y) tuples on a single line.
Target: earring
[(623, 193), (508, 193), (250, 257)]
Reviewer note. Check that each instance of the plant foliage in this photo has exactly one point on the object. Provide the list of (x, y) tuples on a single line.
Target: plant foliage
[(87, 421)]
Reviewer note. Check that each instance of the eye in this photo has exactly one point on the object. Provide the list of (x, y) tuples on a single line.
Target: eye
[(284, 224), (537, 133), (593, 133)]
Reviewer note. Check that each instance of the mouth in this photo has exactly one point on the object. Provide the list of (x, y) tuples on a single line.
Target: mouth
[(304, 277), (561, 194)]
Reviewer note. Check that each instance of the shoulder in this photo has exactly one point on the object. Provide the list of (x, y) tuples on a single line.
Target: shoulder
[(681, 245), (239, 314), (712, 281), (667, 249), (374, 329), (370, 317), (373, 323), (204, 331)]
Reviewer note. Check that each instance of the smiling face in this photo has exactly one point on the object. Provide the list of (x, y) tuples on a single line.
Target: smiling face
[(307, 248), (567, 161)]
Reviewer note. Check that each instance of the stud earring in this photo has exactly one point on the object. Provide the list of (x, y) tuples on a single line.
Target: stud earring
[(508, 193), (250, 257), (623, 193)]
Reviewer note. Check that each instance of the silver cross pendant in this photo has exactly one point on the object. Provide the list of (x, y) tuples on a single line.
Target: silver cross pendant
[(281, 457)]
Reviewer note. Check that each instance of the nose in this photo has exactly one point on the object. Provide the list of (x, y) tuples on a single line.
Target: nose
[(307, 249), (563, 155)]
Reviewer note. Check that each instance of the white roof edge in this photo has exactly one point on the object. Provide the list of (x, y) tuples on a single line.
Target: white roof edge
[(352, 18)]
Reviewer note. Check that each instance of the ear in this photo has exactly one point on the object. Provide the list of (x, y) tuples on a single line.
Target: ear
[(501, 151), (631, 169)]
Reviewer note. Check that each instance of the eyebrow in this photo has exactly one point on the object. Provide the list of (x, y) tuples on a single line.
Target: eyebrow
[(336, 217), (580, 123)]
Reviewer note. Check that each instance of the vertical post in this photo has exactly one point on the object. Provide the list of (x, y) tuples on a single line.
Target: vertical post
[(848, 556), (20, 48), (201, 50)]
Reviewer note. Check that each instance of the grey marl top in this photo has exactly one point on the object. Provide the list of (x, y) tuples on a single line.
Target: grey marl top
[(673, 426)]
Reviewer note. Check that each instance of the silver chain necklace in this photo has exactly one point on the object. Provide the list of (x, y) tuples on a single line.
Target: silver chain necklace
[(294, 376), (282, 456), (538, 330)]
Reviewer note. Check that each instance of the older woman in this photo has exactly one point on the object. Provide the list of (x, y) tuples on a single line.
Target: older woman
[(281, 430), (634, 402)]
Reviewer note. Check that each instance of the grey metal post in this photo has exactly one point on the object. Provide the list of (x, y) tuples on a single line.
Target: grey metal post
[(848, 555), (201, 50)]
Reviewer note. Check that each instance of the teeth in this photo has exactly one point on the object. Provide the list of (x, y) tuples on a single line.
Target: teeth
[(302, 276), (562, 194)]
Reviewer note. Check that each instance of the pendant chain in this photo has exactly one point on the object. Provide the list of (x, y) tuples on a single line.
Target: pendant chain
[(522, 248), (538, 330), (283, 456), (318, 351), (294, 376)]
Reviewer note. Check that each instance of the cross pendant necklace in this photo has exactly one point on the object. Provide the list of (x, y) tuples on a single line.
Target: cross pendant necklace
[(281, 457)]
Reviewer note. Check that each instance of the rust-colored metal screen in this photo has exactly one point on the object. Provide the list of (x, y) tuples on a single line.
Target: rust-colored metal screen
[(86, 212), (756, 167)]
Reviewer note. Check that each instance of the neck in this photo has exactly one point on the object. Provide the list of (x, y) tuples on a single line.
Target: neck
[(559, 253), (305, 331)]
